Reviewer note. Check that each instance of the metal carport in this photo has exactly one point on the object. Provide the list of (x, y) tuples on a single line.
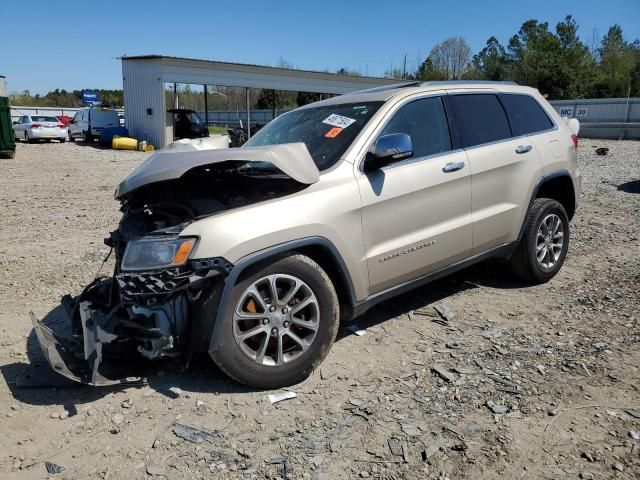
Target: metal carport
[(144, 77)]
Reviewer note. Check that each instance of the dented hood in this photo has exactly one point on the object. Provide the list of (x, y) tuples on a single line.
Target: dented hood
[(172, 162)]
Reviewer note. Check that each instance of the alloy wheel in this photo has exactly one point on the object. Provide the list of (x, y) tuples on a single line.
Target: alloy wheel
[(549, 241), (276, 319)]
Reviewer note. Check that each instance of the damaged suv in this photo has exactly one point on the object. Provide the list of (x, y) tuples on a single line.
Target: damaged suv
[(255, 254)]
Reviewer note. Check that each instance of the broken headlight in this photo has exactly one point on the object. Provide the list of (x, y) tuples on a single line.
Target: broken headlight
[(154, 253)]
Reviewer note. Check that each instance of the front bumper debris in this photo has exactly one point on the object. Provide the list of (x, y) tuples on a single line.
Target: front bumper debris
[(61, 354), (102, 335)]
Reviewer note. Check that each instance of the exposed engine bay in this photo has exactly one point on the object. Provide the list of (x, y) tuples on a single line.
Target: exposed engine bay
[(162, 312)]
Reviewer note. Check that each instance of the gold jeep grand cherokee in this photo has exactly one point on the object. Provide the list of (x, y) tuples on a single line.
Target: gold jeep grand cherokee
[(255, 254)]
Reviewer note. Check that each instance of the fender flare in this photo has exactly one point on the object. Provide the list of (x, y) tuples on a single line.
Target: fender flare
[(261, 255), (534, 193)]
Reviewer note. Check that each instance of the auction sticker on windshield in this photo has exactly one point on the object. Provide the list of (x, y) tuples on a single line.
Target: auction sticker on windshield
[(338, 121)]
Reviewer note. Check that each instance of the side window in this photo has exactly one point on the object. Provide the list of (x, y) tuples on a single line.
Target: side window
[(481, 119), (425, 122), (525, 114)]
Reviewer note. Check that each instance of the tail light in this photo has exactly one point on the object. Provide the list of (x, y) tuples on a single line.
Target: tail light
[(574, 138), (35, 125)]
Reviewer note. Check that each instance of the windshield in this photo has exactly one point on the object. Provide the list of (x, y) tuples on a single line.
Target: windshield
[(326, 131), (194, 118)]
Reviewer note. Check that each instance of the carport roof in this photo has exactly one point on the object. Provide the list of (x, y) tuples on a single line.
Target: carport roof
[(263, 68)]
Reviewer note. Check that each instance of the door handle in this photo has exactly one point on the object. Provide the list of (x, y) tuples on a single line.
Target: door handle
[(524, 149), (453, 167)]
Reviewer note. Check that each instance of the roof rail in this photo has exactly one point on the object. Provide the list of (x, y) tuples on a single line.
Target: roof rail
[(464, 82), (391, 86)]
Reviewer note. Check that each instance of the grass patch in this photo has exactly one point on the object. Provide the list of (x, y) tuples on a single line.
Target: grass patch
[(217, 130)]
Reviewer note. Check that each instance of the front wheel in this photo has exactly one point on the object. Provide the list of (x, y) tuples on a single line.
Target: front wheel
[(280, 322), (545, 242), (87, 137)]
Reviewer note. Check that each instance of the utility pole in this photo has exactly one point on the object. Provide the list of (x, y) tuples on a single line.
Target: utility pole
[(404, 67), (206, 107)]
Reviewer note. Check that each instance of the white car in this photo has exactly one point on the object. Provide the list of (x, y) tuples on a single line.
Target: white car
[(39, 127)]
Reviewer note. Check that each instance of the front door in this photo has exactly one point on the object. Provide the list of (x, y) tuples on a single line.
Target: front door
[(416, 213)]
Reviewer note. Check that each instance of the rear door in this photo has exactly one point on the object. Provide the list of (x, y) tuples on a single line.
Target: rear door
[(416, 213), (502, 167), (18, 128)]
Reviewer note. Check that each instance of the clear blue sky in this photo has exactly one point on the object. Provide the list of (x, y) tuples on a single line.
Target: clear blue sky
[(74, 44)]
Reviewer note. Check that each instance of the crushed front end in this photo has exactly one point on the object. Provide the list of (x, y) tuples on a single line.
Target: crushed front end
[(115, 322)]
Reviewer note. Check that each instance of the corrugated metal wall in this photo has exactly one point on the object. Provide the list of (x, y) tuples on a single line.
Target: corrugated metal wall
[(602, 110), (144, 101)]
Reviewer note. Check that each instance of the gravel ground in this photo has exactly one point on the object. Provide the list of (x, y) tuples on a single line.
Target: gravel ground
[(523, 382)]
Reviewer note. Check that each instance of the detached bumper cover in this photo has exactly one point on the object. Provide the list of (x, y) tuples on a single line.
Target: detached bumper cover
[(75, 355), (62, 354)]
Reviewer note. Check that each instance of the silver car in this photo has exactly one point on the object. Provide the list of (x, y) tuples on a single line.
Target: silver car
[(39, 127), (255, 254)]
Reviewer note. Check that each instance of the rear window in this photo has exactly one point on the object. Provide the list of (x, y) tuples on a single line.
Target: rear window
[(482, 119), (104, 116), (40, 118), (526, 114)]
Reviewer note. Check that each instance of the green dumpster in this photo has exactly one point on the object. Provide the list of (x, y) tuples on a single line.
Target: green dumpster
[(7, 140)]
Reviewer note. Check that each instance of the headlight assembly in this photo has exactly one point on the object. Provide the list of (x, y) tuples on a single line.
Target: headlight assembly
[(154, 253)]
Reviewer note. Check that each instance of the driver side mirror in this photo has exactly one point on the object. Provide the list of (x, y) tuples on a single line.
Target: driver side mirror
[(388, 149)]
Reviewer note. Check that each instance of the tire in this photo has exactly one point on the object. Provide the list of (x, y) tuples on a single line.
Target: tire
[(28, 138), (296, 363), (71, 139), (62, 140), (525, 262), (87, 137)]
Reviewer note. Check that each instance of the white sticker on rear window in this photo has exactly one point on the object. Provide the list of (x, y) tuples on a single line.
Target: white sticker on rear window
[(338, 121)]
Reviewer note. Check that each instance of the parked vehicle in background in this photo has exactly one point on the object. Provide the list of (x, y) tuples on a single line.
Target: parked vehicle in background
[(88, 123), (39, 127), (187, 124), (64, 119), (255, 254)]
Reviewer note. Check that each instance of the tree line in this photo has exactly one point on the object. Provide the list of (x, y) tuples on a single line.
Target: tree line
[(64, 98), (558, 63)]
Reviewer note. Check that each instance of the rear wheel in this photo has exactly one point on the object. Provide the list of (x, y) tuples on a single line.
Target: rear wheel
[(280, 323), (545, 242), (62, 140)]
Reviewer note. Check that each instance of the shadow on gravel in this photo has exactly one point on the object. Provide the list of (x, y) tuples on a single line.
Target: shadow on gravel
[(630, 187), (491, 273), (202, 376)]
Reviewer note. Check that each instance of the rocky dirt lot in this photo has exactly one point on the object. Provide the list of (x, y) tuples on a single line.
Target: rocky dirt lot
[(518, 382)]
